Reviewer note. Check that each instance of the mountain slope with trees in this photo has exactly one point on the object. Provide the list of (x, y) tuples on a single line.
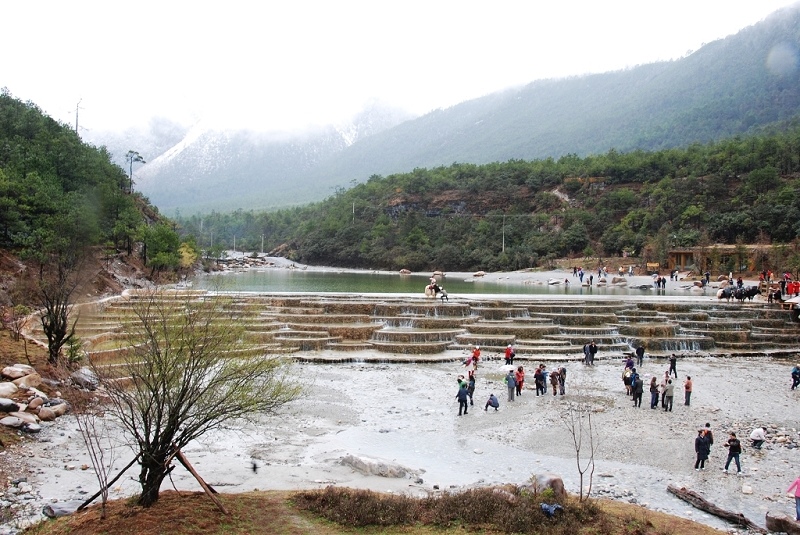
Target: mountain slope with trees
[(64, 204), (522, 214), (729, 87)]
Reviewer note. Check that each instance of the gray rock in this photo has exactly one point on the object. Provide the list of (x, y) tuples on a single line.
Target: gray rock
[(369, 466), (11, 421), (8, 405), (85, 378)]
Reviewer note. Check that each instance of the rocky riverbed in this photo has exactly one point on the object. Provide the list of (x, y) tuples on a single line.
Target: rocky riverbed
[(394, 428)]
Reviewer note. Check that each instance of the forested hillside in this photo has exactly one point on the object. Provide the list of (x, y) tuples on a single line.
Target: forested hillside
[(728, 87), (520, 214), (60, 197)]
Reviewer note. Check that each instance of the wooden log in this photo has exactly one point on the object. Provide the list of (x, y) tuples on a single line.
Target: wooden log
[(782, 524), (206, 487), (108, 485), (55, 510), (701, 503)]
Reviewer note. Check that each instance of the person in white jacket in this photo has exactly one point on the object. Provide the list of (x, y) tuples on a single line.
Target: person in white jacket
[(758, 436)]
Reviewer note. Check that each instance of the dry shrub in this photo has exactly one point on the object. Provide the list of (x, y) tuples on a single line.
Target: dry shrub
[(352, 507), (508, 509)]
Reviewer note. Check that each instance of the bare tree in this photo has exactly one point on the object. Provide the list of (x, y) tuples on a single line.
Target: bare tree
[(576, 415), (190, 370), (58, 280), (93, 427)]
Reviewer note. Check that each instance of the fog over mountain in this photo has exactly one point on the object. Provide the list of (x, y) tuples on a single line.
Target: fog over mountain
[(728, 87)]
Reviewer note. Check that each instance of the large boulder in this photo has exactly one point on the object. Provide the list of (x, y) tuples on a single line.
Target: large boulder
[(58, 406), (11, 421), (29, 381), (375, 467), (12, 372), (26, 368), (780, 523), (26, 417), (85, 378), (7, 389), (46, 414), (8, 405)]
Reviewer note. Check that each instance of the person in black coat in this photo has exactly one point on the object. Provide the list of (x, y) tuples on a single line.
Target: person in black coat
[(702, 448), (734, 449), (462, 396)]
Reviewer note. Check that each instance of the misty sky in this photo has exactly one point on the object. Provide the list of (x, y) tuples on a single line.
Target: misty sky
[(273, 65)]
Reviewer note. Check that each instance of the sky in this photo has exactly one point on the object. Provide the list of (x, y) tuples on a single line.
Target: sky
[(285, 65)]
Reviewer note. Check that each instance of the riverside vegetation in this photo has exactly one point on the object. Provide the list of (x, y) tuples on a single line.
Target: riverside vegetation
[(524, 214)]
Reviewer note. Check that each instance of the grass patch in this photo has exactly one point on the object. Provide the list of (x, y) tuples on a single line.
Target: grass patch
[(338, 510)]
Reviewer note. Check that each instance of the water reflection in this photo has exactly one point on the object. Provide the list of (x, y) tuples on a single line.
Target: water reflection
[(286, 280)]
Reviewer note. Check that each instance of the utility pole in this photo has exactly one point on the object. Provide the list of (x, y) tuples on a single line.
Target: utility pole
[(504, 233), (77, 107)]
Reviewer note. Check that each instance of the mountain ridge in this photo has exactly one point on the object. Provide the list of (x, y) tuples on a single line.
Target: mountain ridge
[(726, 88)]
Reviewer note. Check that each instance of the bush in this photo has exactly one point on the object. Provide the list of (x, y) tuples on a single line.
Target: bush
[(509, 509)]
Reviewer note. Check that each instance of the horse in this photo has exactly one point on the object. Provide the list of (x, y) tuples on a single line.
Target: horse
[(432, 290)]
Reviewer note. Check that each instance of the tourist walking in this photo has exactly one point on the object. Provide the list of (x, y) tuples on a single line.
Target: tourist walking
[(795, 486), (586, 355), (592, 352), (539, 382), (462, 396), (702, 449), (687, 390), (626, 380), (511, 383), (669, 392), (519, 376), (554, 381), (795, 376), (638, 389), (562, 380), (653, 393), (510, 354), (471, 388), (673, 363), (709, 437), (472, 362), (640, 355), (664, 382), (492, 402), (758, 436), (734, 450)]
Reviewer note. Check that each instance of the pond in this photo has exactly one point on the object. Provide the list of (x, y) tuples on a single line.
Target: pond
[(312, 281)]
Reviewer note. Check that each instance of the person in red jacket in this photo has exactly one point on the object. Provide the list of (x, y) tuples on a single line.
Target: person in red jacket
[(510, 354)]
